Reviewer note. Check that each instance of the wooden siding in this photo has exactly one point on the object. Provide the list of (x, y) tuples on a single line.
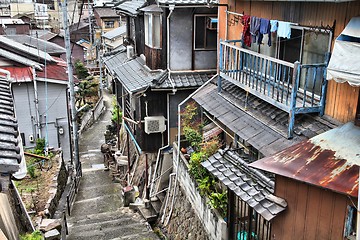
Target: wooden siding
[(342, 99), (312, 212), (153, 58)]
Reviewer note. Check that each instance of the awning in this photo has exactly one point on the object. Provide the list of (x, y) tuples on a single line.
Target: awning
[(344, 65)]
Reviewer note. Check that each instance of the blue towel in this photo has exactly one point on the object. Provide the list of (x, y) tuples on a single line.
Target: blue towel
[(274, 26), (284, 29)]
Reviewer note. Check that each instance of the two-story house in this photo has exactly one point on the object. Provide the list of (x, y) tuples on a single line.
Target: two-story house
[(276, 91)]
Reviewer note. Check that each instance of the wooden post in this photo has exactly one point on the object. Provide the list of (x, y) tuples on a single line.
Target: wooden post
[(324, 86), (295, 83)]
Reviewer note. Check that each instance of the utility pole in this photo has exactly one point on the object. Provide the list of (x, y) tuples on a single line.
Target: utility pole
[(71, 84), (90, 32)]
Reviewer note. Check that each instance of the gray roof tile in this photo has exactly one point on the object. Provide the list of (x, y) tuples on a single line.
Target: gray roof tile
[(252, 186), (183, 80), (10, 155), (130, 7)]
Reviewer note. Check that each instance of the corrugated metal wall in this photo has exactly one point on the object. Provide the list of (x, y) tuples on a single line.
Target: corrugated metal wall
[(341, 98)]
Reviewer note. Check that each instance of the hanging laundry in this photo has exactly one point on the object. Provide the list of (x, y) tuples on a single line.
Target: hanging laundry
[(264, 29), (254, 28), (284, 29), (274, 25), (246, 36)]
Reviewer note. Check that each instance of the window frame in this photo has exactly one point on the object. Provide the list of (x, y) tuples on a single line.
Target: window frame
[(106, 24), (150, 27), (206, 29)]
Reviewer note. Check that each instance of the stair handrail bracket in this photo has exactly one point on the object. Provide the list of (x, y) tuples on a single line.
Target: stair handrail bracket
[(292, 87)]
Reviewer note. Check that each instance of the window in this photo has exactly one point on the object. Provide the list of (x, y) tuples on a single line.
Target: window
[(205, 34), (308, 46), (109, 24), (153, 30)]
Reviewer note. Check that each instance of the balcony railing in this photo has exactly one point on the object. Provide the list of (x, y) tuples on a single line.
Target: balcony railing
[(293, 87)]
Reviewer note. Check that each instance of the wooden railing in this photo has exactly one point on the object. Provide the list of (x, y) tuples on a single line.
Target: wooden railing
[(292, 87)]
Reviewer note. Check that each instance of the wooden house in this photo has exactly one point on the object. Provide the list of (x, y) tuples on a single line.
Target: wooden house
[(276, 92)]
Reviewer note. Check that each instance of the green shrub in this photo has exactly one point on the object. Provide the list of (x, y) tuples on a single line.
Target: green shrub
[(193, 136), (31, 170), (36, 235), (219, 201)]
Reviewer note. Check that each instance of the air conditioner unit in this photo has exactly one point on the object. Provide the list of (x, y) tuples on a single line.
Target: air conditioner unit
[(155, 124)]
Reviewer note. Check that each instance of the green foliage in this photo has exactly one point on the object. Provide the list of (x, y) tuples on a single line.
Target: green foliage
[(86, 89), (210, 147), (219, 201), (189, 114), (193, 136), (195, 167), (205, 185), (80, 70), (31, 170), (36, 235), (115, 110)]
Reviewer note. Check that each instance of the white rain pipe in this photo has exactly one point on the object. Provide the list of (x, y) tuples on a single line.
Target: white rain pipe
[(36, 100), (178, 142)]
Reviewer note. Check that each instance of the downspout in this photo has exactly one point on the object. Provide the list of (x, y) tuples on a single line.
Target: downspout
[(36, 100), (178, 143), (171, 8)]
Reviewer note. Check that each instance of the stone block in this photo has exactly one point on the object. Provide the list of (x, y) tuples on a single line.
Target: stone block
[(52, 235)]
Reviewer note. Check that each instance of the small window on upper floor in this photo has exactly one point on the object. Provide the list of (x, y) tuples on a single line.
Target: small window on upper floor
[(153, 30), (109, 24), (205, 32)]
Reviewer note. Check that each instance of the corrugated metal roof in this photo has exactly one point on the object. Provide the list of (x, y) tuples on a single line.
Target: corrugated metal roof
[(117, 32), (256, 133), (130, 7), (20, 74), (10, 156), (54, 71), (188, 2), (330, 160), (183, 80), (25, 49), (248, 184), (38, 43), (18, 58)]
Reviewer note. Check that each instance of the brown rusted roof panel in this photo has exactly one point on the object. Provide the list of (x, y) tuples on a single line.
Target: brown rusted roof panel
[(330, 160)]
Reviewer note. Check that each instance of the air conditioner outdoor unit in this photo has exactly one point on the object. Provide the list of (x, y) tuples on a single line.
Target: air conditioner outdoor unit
[(155, 124)]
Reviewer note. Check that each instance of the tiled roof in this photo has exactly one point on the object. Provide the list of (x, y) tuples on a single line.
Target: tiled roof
[(183, 80), (105, 12), (249, 184), (10, 155), (113, 61), (38, 43), (259, 123), (188, 2), (130, 7), (135, 76), (117, 32), (256, 133)]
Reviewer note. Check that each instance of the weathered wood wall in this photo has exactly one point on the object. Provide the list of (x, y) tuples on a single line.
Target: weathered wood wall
[(153, 58), (341, 97), (312, 212)]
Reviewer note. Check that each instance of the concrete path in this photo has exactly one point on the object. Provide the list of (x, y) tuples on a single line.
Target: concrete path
[(98, 211)]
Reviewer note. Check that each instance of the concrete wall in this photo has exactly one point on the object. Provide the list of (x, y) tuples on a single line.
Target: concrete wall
[(181, 44), (56, 115), (213, 223), (181, 35)]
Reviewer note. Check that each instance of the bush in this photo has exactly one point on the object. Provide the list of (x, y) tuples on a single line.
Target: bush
[(219, 201), (193, 136), (36, 235)]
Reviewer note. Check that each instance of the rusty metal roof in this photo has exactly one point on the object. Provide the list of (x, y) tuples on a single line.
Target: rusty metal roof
[(20, 74), (249, 184), (330, 160)]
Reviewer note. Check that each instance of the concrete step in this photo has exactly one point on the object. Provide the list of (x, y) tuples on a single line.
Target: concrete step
[(140, 236), (148, 213), (102, 217), (156, 205), (121, 231)]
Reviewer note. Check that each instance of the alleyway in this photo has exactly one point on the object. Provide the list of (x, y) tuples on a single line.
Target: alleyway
[(98, 211)]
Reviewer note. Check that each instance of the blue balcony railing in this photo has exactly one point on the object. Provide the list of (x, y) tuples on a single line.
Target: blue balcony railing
[(293, 87)]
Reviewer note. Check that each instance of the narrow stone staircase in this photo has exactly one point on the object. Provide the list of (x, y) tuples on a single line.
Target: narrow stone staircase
[(120, 224)]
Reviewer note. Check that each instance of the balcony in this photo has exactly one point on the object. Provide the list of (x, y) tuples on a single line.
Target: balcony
[(293, 87)]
